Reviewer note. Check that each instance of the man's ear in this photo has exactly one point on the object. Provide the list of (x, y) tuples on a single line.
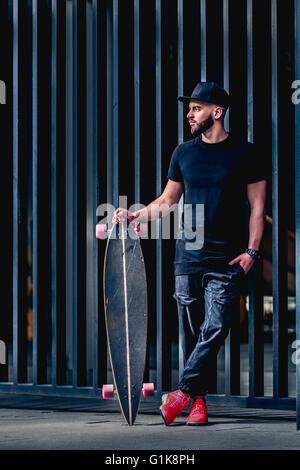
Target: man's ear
[(218, 112)]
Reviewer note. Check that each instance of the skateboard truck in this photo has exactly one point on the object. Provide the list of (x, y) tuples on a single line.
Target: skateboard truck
[(148, 389), (108, 390)]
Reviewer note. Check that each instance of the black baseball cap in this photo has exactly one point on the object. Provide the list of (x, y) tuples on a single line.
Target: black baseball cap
[(210, 92)]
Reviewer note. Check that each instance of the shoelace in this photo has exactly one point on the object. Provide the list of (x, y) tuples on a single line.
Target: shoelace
[(199, 407), (182, 402)]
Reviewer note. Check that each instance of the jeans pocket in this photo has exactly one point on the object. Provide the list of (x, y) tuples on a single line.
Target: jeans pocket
[(187, 290), (219, 310)]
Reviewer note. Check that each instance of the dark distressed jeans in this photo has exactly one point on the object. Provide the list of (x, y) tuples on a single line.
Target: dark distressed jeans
[(207, 302)]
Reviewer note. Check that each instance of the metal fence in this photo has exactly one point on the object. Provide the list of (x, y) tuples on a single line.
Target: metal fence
[(91, 114)]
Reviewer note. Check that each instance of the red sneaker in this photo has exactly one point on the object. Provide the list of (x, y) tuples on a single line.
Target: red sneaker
[(172, 406), (198, 413)]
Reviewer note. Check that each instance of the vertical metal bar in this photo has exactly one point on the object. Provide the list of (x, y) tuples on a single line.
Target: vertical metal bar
[(35, 19), (232, 358), (5, 119), (203, 77), (203, 38), (226, 54), (275, 196), (74, 197), (250, 67), (90, 209), (61, 190), (91, 194), (279, 265), (227, 369), (297, 206), (137, 100), (20, 196), (95, 185), (180, 69), (83, 194), (256, 338), (16, 195), (158, 73), (232, 353), (251, 322), (89, 223), (256, 351), (109, 137), (69, 191), (115, 103), (109, 95), (226, 86), (53, 191), (180, 123)]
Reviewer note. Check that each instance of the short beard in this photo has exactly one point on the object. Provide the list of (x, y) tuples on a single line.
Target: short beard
[(203, 127)]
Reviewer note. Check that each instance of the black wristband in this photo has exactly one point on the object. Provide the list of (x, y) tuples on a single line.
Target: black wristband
[(255, 254)]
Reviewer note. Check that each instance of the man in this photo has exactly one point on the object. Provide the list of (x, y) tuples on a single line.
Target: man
[(220, 172)]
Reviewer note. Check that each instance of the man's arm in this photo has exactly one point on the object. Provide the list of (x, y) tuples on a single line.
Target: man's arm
[(257, 199), (156, 209)]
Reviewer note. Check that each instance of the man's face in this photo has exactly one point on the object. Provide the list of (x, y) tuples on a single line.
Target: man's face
[(200, 117)]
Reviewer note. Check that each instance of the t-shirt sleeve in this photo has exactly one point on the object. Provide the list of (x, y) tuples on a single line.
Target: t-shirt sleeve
[(174, 172), (256, 165)]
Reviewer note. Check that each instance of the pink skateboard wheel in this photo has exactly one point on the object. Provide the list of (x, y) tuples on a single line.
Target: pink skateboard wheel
[(108, 391), (148, 390), (101, 231), (141, 230)]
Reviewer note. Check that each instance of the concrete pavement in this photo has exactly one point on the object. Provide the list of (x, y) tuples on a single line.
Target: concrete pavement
[(68, 430)]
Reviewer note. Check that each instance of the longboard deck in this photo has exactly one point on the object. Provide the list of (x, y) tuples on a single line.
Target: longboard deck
[(125, 297)]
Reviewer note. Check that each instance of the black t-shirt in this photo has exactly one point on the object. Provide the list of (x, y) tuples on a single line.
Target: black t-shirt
[(215, 178)]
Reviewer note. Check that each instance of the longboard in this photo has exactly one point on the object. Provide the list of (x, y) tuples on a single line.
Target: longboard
[(126, 317)]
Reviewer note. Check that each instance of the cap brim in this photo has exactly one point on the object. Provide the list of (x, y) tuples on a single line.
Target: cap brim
[(189, 98), (184, 98)]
